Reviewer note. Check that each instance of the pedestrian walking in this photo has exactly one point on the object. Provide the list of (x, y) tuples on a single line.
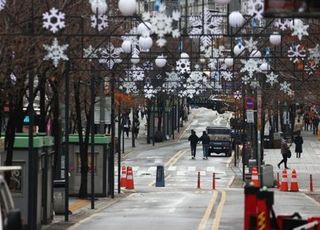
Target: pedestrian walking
[(285, 152), (126, 125), (298, 140), (136, 127), (315, 123), (193, 138), (205, 139)]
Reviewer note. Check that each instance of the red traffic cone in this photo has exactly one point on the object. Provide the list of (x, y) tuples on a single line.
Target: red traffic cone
[(255, 178), (294, 187), (123, 180), (284, 181), (129, 184)]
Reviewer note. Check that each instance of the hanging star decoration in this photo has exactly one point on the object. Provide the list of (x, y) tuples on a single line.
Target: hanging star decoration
[(99, 22), (283, 24), (251, 66), (110, 55), (90, 53), (296, 52), (53, 20), (172, 82), (314, 54), (162, 25), (250, 44), (56, 52), (285, 87), (299, 29), (272, 78), (237, 95), (256, 8)]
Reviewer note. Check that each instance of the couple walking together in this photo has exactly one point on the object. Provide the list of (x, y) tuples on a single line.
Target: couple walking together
[(194, 139)]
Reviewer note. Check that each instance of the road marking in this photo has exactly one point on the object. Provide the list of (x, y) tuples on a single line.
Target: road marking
[(207, 213), (152, 169), (216, 221), (191, 168), (210, 169), (172, 168), (181, 173)]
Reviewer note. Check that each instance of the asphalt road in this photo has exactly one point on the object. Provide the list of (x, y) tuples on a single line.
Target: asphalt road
[(181, 205)]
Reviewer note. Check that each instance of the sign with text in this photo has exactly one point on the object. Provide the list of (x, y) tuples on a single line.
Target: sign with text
[(250, 116), (291, 8)]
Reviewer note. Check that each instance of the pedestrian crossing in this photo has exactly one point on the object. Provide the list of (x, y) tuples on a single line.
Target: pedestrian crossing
[(175, 170)]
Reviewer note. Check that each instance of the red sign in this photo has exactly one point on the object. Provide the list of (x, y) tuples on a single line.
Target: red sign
[(291, 8)]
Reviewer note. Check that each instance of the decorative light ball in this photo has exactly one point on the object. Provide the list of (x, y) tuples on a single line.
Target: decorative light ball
[(127, 7), (145, 42), (144, 28), (265, 67), (161, 61), (202, 60), (255, 54), (228, 61), (238, 49), (222, 2), (126, 46), (184, 55), (236, 19), (99, 7), (135, 59), (275, 39)]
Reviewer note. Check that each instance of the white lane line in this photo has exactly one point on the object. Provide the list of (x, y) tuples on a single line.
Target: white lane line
[(152, 169), (181, 173), (210, 169)]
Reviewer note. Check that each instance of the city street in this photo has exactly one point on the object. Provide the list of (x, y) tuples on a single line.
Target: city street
[(180, 204)]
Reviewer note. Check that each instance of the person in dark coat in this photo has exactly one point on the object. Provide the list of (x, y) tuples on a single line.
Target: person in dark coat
[(205, 139), (193, 138), (285, 147), (298, 140)]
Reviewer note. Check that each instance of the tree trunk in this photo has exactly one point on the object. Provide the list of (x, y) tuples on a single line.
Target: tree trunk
[(83, 191)]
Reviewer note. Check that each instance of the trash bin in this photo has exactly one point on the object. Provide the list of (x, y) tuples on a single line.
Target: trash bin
[(59, 196), (267, 175)]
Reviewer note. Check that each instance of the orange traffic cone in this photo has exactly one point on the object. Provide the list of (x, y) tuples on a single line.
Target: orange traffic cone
[(294, 187), (129, 184), (255, 178), (284, 181), (123, 180)]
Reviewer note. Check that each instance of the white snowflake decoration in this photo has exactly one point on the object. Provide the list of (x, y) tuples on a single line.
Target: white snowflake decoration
[(251, 66), (272, 78), (208, 23), (172, 82), (110, 55), (129, 86), (136, 73), (149, 91), (283, 24), (299, 29), (161, 24), (310, 67), (296, 52), (285, 87), (314, 54), (256, 8), (237, 95), (291, 93), (148, 65), (246, 79), (183, 66), (227, 75), (250, 44), (100, 22), (2, 4), (56, 52), (53, 20), (90, 53)]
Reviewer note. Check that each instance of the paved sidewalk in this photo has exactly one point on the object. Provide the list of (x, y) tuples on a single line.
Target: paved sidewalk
[(308, 164)]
